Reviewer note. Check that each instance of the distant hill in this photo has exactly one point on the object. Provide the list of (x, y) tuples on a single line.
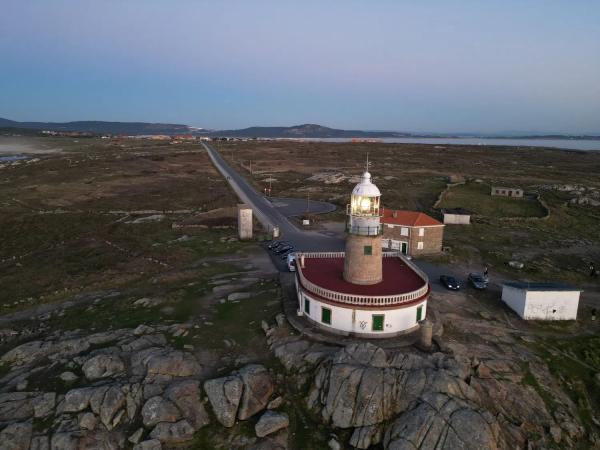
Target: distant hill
[(99, 127), (304, 131)]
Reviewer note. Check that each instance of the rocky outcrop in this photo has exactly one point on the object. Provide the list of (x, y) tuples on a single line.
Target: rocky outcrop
[(136, 378), (241, 394), (271, 422)]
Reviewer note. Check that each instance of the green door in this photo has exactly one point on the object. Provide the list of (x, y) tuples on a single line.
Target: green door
[(326, 315), (378, 320), (307, 306), (419, 313)]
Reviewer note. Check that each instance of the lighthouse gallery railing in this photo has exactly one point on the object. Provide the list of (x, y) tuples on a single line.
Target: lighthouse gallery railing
[(362, 300)]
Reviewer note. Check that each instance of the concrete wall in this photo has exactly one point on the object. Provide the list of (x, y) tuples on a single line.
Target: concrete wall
[(457, 219), (244, 221), (432, 238), (542, 305), (358, 267), (360, 321)]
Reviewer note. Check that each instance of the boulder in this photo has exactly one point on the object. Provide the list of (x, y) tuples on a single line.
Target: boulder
[(16, 406), (158, 409), (224, 395), (64, 441), (112, 402), (77, 399), (68, 377), (152, 444), (173, 433), (103, 366), (43, 405), (258, 388), (270, 422), (173, 363), (40, 443), (88, 421), (186, 396), (16, 436)]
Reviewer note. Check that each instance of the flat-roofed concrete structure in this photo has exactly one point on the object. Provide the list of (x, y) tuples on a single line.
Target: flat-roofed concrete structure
[(542, 301)]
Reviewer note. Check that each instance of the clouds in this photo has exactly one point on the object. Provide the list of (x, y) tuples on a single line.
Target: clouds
[(395, 65)]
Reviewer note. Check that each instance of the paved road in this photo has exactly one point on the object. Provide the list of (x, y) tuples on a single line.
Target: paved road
[(269, 215), (293, 207)]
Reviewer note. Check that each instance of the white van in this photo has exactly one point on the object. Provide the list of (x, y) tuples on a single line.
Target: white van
[(291, 262)]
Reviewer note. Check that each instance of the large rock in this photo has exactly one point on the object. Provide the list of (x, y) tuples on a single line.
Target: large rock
[(173, 363), (224, 395), (186, 396), (16, 406), (270, 422), (258, 388), (77, 399), (443, 423), (43, 405), (152, 444), (16, 436), (103, 366), (157, 409), (113, 400), (173, 433), (64, 441)]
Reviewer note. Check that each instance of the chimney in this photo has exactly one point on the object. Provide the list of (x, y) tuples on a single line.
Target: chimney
[(395, 214)]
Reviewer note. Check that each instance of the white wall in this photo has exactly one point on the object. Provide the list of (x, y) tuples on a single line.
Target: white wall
[(542, 305), (454, 219), (396, 320)]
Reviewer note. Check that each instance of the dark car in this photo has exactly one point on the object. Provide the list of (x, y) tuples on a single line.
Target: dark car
[(478, 281), (274, 245), (283, 248), (450, 282), (285, 254)]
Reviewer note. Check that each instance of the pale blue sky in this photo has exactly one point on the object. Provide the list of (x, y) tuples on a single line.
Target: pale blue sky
[(399, 65)]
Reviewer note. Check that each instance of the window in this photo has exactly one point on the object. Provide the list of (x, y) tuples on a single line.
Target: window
[(419, 313), (404, 231), (419, 245), (326, 315), (421, 231), (307, 306), (368, 250), (377, 322)]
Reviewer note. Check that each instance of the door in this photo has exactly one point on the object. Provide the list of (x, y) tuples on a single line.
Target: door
[(326, 315), (404, 247), (419, 313), (377, 320)]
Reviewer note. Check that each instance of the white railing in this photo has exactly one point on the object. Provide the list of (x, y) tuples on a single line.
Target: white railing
[(361, 300)]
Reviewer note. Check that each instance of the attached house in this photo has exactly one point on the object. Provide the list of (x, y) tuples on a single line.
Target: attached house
[(413, 233)]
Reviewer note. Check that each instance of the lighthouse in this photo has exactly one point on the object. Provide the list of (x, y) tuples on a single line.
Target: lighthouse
[(362, 291), (363, 262)]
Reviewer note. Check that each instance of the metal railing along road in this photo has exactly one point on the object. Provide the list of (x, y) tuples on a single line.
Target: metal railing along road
[(361, 300)]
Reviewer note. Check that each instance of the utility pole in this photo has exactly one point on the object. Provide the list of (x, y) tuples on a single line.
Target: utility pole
[(308, 203)]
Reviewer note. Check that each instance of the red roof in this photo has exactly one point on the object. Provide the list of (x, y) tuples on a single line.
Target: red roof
[(408, 218), (398, 278)]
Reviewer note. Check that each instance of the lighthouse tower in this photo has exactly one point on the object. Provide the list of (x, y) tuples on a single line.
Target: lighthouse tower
[(363, 261)]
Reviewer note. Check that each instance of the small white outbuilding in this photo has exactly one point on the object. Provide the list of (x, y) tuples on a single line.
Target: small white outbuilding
[(542, 301)]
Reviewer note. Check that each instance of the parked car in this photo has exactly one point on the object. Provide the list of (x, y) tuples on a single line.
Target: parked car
[(285, 253), (275, 244), (283, 248), (478, 281), (450, 282), (291, 262)]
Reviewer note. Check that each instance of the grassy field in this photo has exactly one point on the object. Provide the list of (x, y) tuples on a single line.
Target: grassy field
[(476, 197), (69, 225), (412, 176)]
